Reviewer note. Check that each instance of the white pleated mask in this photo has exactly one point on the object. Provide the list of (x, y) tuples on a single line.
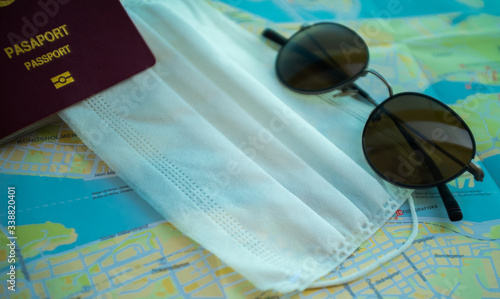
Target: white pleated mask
[(211, 139)]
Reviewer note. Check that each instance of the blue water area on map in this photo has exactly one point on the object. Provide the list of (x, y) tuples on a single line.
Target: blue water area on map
[(410, 8), (287, 11), (483, 205), (449, 92), (494, 171), (479, 208), (91, 218)]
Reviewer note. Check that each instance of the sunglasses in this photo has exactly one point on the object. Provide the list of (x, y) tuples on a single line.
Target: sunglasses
[(410, 139)]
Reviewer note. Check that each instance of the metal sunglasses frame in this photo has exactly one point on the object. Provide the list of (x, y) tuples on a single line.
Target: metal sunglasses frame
[(452, 207)]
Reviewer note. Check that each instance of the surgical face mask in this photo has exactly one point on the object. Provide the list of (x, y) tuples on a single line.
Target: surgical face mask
[(212, 141)]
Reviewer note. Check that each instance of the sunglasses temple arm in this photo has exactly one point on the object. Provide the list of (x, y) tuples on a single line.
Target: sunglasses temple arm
[(475, 170), (274, 36), (472, 167), (450, 203), (281, 40)]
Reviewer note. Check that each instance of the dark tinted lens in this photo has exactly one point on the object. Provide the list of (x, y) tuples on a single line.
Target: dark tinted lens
[(415, 141), (321, 57)]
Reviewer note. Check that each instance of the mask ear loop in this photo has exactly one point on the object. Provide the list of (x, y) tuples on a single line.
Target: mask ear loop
[(395, 253), (377, 263)]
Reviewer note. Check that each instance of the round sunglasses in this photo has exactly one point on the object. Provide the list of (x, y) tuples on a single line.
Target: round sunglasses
[(411, 140)]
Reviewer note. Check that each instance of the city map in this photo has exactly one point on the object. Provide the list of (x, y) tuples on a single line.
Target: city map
[(83, 233)]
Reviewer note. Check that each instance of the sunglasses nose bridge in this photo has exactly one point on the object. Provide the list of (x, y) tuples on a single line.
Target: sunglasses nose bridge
[(378, 75)]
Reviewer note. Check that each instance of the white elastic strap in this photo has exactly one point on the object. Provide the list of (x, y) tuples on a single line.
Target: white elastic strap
[(377, 263)]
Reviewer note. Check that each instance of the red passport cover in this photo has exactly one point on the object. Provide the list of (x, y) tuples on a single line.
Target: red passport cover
[(54, 53)]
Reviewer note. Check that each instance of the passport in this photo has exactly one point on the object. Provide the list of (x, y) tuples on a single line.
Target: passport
[(55, 53)]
